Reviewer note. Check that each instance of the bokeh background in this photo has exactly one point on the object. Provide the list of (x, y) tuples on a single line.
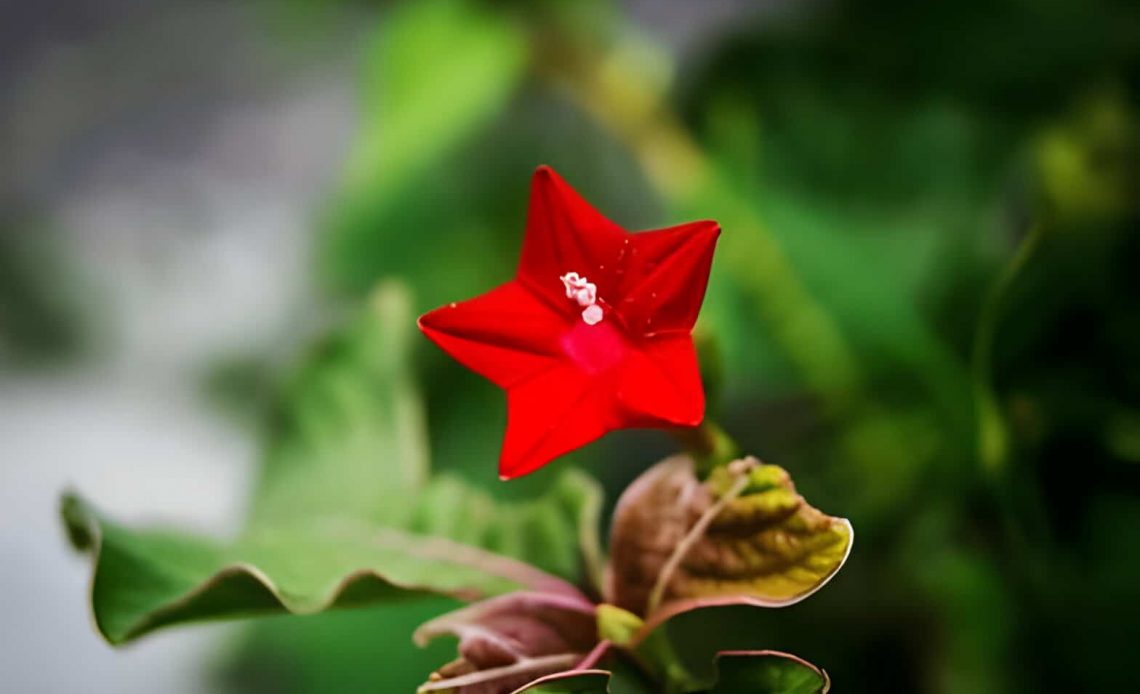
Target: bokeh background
[(925, 305)]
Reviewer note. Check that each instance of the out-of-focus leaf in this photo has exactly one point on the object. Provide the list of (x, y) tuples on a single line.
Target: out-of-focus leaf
[(556, 531), (349, 440), (1084, 163), (847, 233), (833, 287), (457, 230), (835, 283), (357, 650), (766, 547), (767, 672), (341, 515), (39, 320), (436, 72)]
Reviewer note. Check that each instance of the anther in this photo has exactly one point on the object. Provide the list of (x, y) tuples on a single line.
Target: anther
[(585, 294)]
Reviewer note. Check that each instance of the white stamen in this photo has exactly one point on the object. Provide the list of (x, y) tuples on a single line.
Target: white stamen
[(585, 294), (579, 288), (571, 281)]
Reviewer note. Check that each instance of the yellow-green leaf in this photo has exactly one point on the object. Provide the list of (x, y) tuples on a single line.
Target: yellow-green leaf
[(767, 546)]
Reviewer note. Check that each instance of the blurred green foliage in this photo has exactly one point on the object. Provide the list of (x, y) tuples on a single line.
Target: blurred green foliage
[(39, 316)]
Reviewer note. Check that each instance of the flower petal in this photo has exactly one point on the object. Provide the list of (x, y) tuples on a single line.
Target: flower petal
[(593, 334), (552, 414), (507, 334), (661, 383), (665, 277), (564, 233)]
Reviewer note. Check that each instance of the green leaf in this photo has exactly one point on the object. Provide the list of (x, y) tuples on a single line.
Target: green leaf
[(766, 547), (358, 650), (146, 579), (342, 516), (349, 439), (755, 672), (555, 532), (767, 672), (577, 682), (436, 72)]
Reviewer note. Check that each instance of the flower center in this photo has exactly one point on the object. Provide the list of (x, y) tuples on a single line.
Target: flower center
[(594, 348), (585, 293)]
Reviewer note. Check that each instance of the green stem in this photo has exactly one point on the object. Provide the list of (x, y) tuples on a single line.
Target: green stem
[(993, 438), (708, 445)]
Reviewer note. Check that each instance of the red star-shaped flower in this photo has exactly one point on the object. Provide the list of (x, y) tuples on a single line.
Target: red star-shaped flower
[(593, 334)]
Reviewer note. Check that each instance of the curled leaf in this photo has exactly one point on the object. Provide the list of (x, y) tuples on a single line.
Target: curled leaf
[(767, 546), (149, 578), (508, 641)]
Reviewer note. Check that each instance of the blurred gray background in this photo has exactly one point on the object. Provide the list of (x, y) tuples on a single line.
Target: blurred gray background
[(163, 160)]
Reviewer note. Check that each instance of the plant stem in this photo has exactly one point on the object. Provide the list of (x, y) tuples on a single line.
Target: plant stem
[(708, 445), (993, 438)]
